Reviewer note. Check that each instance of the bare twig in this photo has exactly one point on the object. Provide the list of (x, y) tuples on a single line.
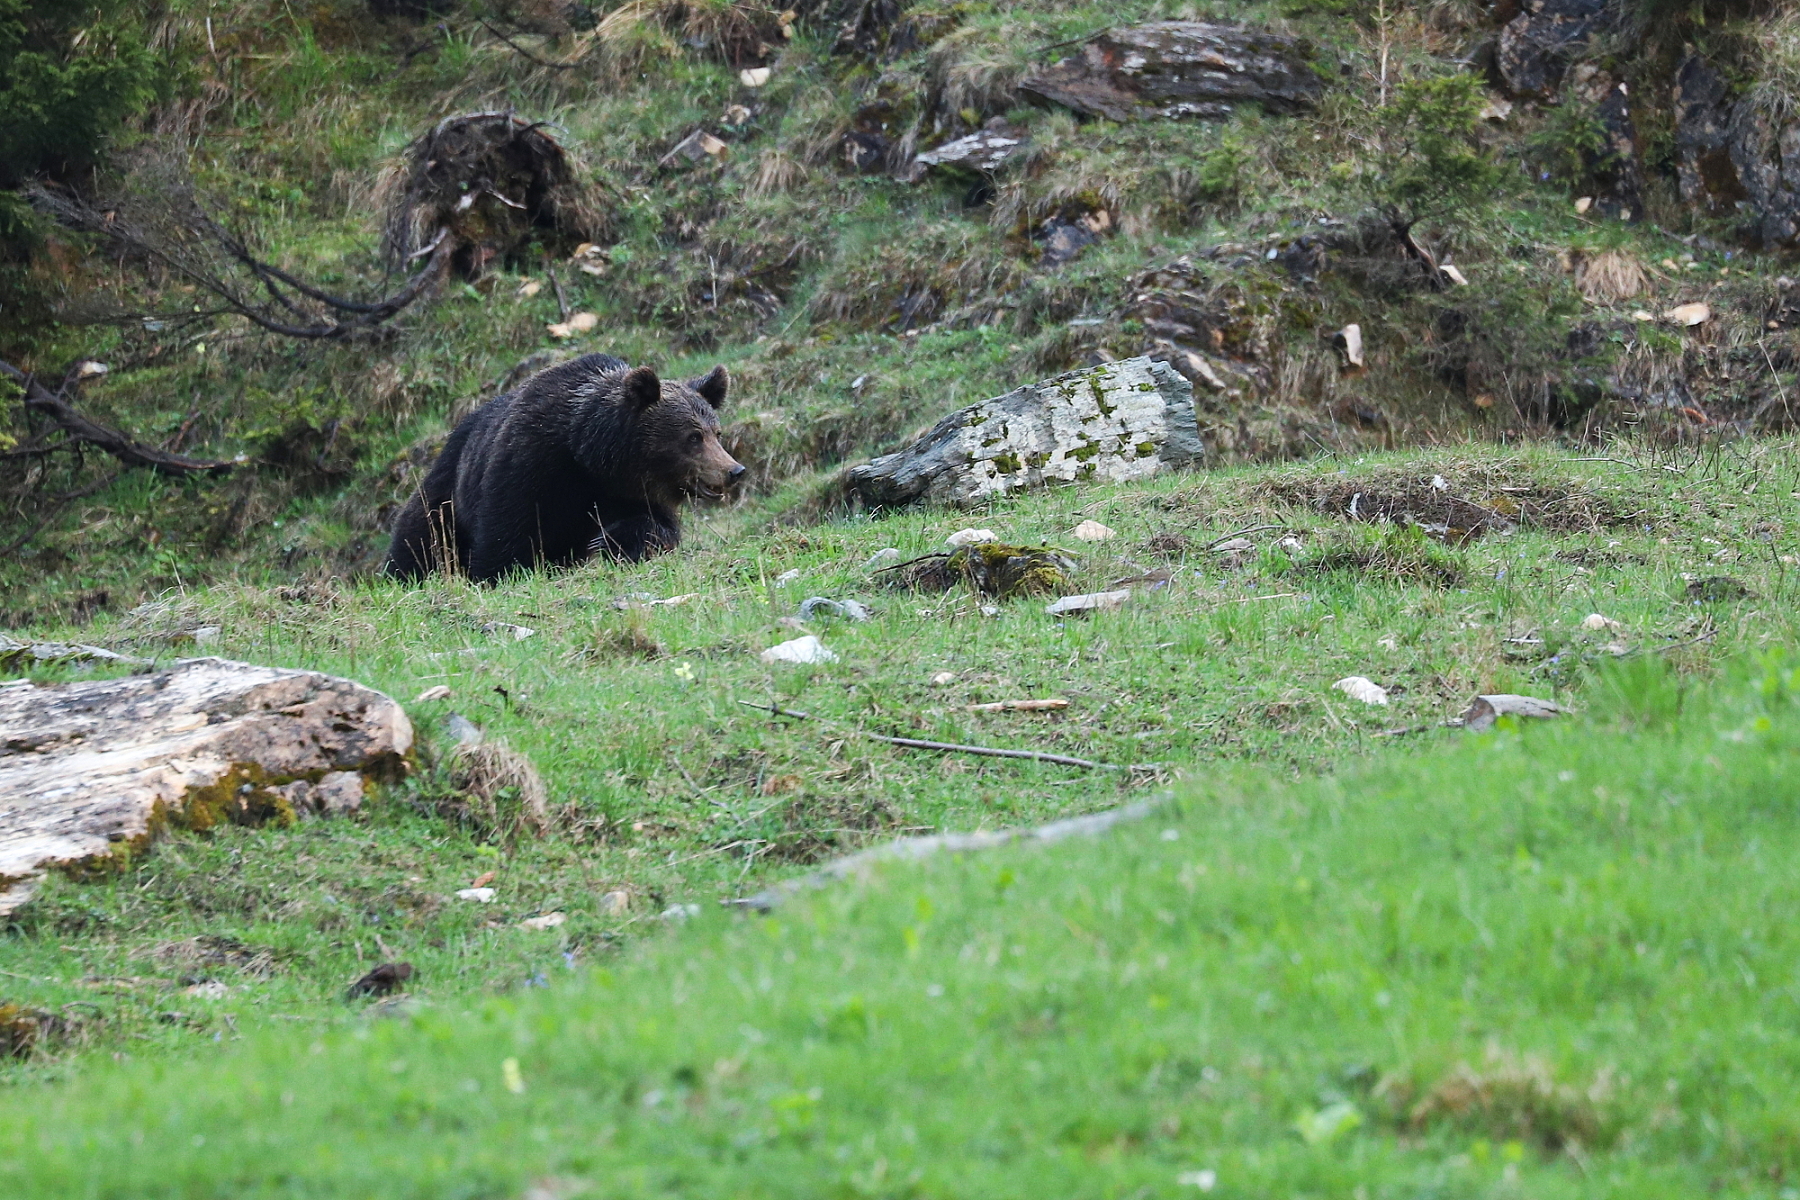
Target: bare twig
[(199, 248), (1063, 760), (1240, 533), (562, 299), (542, 62)]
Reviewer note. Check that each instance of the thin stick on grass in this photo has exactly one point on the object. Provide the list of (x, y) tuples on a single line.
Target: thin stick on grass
[(1063, 760), (1239, 533)]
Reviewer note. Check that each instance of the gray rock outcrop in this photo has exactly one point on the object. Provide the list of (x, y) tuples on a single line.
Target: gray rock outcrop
[(1114, 422)]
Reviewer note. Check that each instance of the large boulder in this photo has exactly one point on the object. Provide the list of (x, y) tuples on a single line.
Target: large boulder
[(1738, 153), (1181, 69), (1537, 46), (1117, 421), (96, 767)]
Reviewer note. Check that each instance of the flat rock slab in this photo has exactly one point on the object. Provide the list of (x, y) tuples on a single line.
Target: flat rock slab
[(1111, 423), (1174, 69), (90, 768)]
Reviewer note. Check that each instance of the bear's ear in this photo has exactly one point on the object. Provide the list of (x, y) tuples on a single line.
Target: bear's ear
[(712, 386), (640, 388)]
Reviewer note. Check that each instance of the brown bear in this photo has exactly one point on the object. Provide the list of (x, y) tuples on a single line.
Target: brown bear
[(588, 457)]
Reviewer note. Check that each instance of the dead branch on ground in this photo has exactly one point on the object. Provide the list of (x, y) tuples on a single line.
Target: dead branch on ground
[(79, 430)]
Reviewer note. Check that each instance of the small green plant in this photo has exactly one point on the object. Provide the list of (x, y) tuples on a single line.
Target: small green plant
[(1572, 146), (1429, 165), (71, 72)]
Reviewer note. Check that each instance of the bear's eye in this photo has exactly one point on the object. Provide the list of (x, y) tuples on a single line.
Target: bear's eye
[(694, 439)]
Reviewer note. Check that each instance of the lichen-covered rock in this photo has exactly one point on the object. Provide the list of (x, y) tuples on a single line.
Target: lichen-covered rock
[(90, 768), (1181, 69), (1114, 422)]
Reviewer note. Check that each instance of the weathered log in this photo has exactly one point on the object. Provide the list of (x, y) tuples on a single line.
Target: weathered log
[(1117, 421), (93, 768), (1181, 69)]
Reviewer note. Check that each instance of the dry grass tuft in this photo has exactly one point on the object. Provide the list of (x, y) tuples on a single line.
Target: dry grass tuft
[(776, 172), (506, 794), (738, 35), (1610, 277), (1517, 1098)]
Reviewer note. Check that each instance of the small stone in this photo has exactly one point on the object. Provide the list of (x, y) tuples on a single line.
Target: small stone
[(882, 558), (805, 651), (440, 692), (788, 576), (1596, 622), (943, 679), (549, 920), (1093, 531), (615, 903), (481, 895), (1090, 602), (1358, 688), (971, 537)]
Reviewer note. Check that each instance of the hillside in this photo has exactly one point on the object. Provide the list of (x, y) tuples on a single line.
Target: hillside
[(1554, 965), (857, 291), (1491, 348)]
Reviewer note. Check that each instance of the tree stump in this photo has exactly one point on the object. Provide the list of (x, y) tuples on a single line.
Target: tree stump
[(90, 769), (1117, 421)]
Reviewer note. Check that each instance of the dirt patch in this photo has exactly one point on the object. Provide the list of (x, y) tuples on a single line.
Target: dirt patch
[(819, 827), (1474, 502), (990, 568), (210, 951), (1403, 554)]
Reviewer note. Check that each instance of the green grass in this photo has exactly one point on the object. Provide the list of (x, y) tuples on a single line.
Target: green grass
[(1581, 930), (674, 792)]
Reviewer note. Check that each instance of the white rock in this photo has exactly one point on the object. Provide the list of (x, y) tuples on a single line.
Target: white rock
[(440, 692), (1093, 531), (1483, 711), (1689, 315), (1358, 688), (788, 576), (1596, 622), (549, 920), (1089, 602), (481, 895), (882, 558), (754, 77), (804, 650), (971, 537)]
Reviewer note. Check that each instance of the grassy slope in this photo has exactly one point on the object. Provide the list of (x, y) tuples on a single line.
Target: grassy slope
[(1227, 664), (1556, 964), (300, 111)]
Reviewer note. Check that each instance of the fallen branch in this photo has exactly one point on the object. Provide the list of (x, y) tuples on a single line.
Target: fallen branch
[(914, 849), (176, 232), (1062, 760), (1053, 704), (56, 406), (1240, 533)]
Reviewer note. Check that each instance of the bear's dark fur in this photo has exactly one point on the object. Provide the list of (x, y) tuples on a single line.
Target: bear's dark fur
[(588, 457)]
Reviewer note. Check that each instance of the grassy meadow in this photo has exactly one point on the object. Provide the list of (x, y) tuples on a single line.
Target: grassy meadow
[(666, 790), (1544, 962)]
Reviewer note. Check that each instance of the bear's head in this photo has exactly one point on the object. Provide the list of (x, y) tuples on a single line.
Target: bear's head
[(676, 432)]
